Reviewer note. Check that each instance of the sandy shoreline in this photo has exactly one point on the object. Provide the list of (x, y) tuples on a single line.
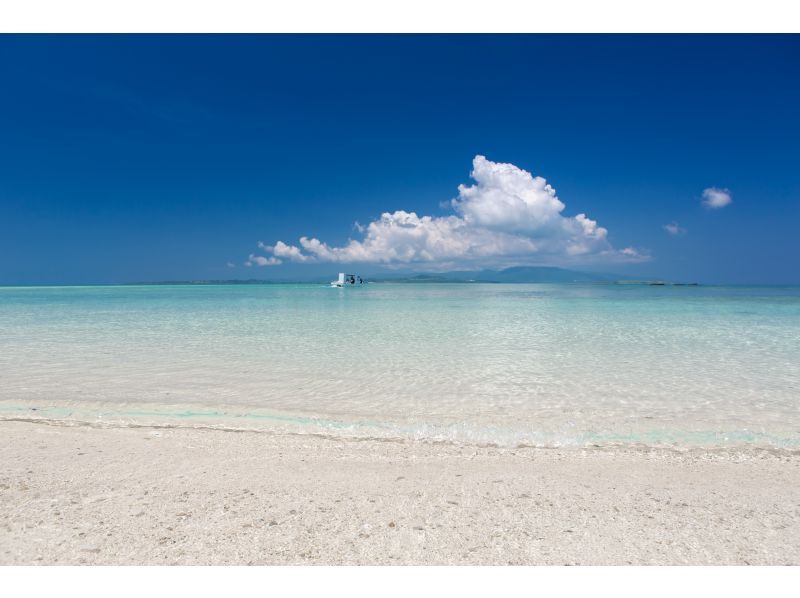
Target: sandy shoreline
[(71, 495)]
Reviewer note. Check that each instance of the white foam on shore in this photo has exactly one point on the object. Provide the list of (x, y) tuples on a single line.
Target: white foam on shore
[(232, 420)]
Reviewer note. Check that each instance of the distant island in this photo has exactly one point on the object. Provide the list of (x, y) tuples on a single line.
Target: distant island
[(517, 274)]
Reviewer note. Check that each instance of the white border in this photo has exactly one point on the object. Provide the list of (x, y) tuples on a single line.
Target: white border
[(398, 16), (424, 16), (405, 582)]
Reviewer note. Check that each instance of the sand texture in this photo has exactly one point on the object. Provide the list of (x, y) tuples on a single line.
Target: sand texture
[(71, 495)]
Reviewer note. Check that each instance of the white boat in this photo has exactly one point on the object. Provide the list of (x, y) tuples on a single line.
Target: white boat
[(347, 280)]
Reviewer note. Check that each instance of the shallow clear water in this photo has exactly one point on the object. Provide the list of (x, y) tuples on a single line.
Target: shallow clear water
[(539, 364)]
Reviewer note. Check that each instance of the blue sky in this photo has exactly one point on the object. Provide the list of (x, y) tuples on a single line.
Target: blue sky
[(161, 158)]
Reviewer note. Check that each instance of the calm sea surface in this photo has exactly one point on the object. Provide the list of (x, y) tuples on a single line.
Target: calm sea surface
[(549, 365)]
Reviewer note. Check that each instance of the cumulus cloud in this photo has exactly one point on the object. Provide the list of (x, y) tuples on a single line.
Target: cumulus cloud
[(507, 217), (715, 198), (260, 260), (674, 229)]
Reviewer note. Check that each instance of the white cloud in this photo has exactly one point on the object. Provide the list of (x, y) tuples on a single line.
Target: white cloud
[(231, 265), (282, 250), (507, 217), (715, 198), (260, 260), (634, 254), (674, 229)]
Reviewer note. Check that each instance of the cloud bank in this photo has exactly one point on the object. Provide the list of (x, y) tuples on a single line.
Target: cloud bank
[(714, 198), (508, 217)]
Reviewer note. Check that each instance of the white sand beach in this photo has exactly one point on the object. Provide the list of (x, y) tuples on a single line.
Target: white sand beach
[(86, 495)]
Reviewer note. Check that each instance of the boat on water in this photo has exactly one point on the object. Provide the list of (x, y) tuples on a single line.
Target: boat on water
[(347, 280)]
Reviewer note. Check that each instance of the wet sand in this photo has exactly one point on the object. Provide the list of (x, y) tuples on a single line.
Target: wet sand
[(73, 495)]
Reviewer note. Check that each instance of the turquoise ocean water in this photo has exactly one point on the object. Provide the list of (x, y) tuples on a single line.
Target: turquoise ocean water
[(545, 365)]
